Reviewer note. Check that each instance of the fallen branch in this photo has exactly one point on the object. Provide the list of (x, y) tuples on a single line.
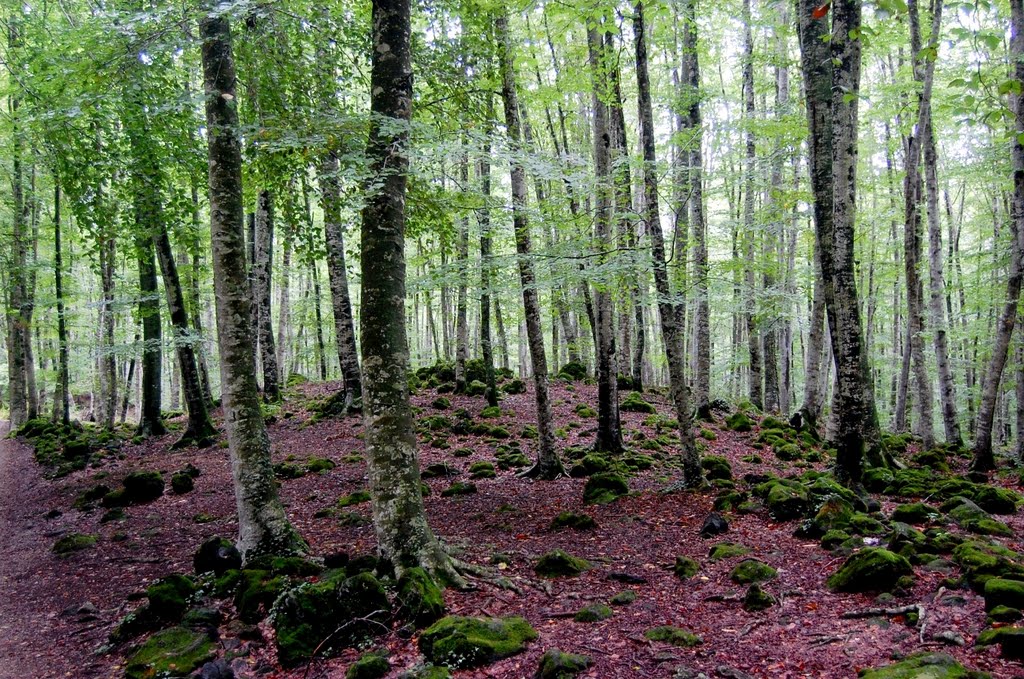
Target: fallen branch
[(874, 612)]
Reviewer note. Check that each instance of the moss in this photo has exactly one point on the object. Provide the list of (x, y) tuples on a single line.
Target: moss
[(226, 583), (555, 664), (738, 421), (343, 610), (1004, 614), (490, 412), (685, 567), (729, 500), (459, 488), (923, 666), (182, 483), (74, 542), (585, 411), (372, 665), (441, 403), (833, 514), (481, 470), (862, 524), (558, 563), (255, 593), (982, 561), (476, 388), (915, 512), (315, 465), (509, 459), (788, 452), (756, 599), (573, 371), (142, 487), (603, 488), (623, 598), (1001, 592), (752, 570), (593, 613), (727, 550), (635, 403), (288, 470), (438, 469), (574, 521), (420, 599), (708, 435), (174, 652), (354, 498), (787, 501), (716, 467), (462, 642), (997, 500), (168, 596), (514, 386), (673, 635), (90, 496), (871, 569), (973, 518)]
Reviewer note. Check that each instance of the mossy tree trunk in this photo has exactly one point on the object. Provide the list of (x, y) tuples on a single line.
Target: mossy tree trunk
[(404, 538), (263, 527), (263, 261)]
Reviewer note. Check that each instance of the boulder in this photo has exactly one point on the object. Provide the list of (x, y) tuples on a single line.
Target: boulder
[(217, 555), (738, 421), (593, 613), (142, 487), (604, 488), (574, 521), (716, 467), (915, 512), (174, 652), (685, 567), (727, 550), (168, 596), (973, 518), (714, 524), (871, 569), (1001, 592), (787, 501), (833, 514), (462, 642), (372, 665), (923, 666)]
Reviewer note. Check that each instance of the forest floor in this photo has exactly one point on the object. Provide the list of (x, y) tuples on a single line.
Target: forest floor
[(57, 611)]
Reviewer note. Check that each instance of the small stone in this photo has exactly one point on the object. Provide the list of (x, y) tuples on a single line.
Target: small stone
[(752, 570), (593, 613), (685, 567), (623, 598), (727, 550), (558, 563), (756, 599), (714, 524), (555, 664), (673, 635)]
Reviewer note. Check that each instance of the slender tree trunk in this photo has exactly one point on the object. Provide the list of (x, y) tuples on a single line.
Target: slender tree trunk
[(284, 320), (263, 527), (692, 473), (62, 399), (262, 271), (129, 382), (199, 347), (483, 216), (17, 317), (814, 392), (548, 466), (984, 459), (462, 265), (609, 429), (403, 536), (749, 236)]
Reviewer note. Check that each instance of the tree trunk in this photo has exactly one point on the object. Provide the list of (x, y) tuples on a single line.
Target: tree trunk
[(262, 271), (483, 216), (692, 473), (62, 398), (548, 465), (403, 536), (984, 460), (263, 527), (284, 320), (462, 266), (756, 389), (609, 429)]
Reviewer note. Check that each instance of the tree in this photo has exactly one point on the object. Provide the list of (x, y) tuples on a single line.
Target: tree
[(548, 465), (984, 459), (263, 527), (404, 538)]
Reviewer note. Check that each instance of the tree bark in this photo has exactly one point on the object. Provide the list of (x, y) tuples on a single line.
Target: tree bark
[(263, 262), (984, 459), (483, 216), (462, 265), (692, 473), (548, 466), (609, 429), (403, 536), (756, 388), (62, 399), (263, 527)]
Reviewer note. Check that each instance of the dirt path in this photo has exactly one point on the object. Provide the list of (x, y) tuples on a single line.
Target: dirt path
[(29, 623)]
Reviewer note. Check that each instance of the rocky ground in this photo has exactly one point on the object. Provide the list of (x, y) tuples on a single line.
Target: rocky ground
[(637, 587)]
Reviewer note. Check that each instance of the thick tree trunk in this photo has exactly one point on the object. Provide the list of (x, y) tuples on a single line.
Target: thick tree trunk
[(263, 527), (814, 384), (403, 536), (18, 323), (548, 465), (984, 460), (692, 473), (263, 263), (609, 429)]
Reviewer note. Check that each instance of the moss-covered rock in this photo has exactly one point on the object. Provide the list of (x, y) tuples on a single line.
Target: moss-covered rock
[(476, 388), (756, 599), (141, 487), (982, 561), (834, 538), (752, 570), (923, 666), (716, 467), (871, 569), (555, 664), (1002, 592), (727, 550), (74, 542), (481, 469), (738, 421), (1010, 640), (996, 500), (573, 371), (420, 598), (969, 516), (591, 463), (216, 555), (833, 514), (558, 563), (182, 483), (463, 642), (315, 465), (593, 613), (168, 596), (306, 615), (635, 403), (1004, 614), (174, 652), (915, 512), (459, 488), (255, 593), (787, 501), (864, 524), (685, 567), (673, 635), (623, 598), (372, 665), (356, 497), (603, 488), (573, 521)]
